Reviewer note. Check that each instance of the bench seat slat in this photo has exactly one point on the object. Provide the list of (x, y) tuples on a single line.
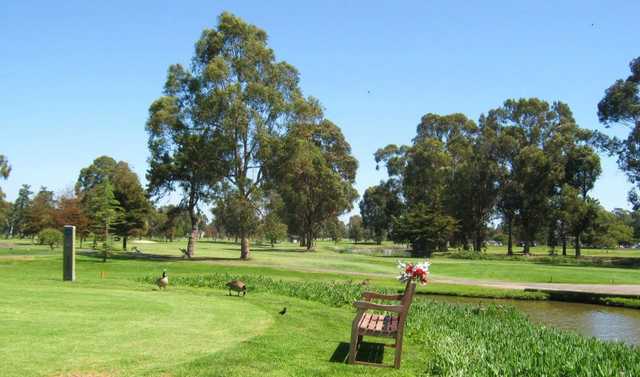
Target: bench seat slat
[(381, 325)]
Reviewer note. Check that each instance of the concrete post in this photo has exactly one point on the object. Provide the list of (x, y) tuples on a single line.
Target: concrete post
[(69, 255)]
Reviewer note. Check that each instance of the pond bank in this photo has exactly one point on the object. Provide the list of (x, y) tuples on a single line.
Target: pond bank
[(624, 295)]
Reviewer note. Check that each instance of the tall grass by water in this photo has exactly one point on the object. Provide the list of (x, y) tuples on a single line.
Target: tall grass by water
[(496, 340)]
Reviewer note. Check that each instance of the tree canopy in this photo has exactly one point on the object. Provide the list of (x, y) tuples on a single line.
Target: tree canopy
[(621, 106), (5, 168), (314, 173), (127, 191)]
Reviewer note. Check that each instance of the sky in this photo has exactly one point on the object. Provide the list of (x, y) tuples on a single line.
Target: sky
[(77, 77)]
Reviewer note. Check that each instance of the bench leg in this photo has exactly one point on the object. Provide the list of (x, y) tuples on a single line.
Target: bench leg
[(353, 347), (398, 353)]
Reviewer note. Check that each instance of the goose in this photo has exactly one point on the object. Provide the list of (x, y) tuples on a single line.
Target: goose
[(237, 286), (163, 281)]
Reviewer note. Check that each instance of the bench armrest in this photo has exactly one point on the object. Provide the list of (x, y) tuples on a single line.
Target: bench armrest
[(364, 305), (377, 296)]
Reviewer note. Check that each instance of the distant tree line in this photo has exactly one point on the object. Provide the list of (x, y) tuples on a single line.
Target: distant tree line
[(525, 166)]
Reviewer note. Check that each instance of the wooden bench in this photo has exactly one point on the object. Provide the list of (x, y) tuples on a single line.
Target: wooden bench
[(390, 324)]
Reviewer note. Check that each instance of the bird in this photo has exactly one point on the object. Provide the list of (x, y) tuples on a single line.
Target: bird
[(163, 281), (283, 311), (237, 286)]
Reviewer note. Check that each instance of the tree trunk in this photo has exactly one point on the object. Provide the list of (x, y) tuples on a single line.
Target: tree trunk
[(564, 239), (578, 244), (191, 245), (106, 240), (244, 247), (477, 242), (309, 242), (124, 243), (510, 239)]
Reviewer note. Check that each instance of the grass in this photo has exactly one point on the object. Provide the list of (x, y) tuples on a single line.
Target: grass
[(326, 259), (115, 323), (621, 301), (112, 330), (499, 341)]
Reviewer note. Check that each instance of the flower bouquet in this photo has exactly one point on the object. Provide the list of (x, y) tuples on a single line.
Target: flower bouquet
[(414, 272)]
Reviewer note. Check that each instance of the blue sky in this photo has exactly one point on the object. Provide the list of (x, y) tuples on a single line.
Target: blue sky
[(77, 77)]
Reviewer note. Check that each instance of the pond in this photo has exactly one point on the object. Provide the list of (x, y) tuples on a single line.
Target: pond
[(603, 322)]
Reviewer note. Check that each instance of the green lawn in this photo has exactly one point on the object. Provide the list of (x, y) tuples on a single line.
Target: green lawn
[(113, 322)]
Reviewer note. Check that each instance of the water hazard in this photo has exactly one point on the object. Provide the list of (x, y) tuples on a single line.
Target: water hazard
[(603, 322)]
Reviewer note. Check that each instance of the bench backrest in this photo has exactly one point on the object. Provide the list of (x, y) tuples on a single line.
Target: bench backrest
[(407, 298)]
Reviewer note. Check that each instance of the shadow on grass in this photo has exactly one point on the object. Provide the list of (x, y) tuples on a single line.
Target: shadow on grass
[(368, 353), (264, 249), (549, 260), (150, 257)]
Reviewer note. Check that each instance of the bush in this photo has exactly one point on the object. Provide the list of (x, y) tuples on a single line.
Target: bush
[(329, 293), (51, 237)]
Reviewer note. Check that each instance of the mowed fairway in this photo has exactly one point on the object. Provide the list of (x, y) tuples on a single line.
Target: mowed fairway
[(52, 327)]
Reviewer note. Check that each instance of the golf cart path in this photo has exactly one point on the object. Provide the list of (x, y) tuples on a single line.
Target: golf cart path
[(605, 289)]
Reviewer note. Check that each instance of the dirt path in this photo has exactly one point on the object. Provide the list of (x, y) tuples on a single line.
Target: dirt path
[(617, 289)]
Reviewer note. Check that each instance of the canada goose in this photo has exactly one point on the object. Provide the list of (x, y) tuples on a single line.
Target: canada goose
[(283, 311), (163, 281), (237, 286)]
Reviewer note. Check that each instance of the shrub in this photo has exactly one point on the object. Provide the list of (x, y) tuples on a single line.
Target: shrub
[(51, 237), (335, 293)]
